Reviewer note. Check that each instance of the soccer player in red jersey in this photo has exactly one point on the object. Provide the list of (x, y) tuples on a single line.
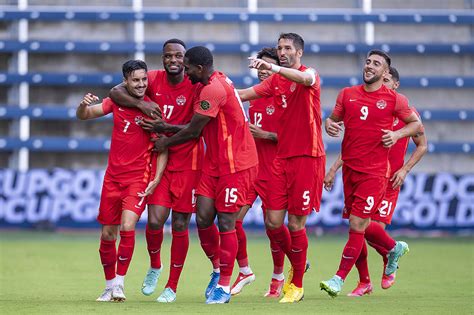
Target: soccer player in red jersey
[(298, 169), (229, 169), (399, 170), (126, 180), (173, 92), (367, 112), (264, 117)]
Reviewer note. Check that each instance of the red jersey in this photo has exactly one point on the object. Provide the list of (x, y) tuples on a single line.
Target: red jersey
[(396, 157), (365, 114), (176, 104), (264, 114), (299, 129), (130, 147), (230, 147)]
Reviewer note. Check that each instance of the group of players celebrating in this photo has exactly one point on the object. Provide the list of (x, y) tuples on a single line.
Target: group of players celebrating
[(162, 118)]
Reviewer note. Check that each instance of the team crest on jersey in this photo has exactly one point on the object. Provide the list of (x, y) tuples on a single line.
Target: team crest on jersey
[(270, 109), (138, 119), (381, 104), (204, 105), (293, 87), (181, 100)]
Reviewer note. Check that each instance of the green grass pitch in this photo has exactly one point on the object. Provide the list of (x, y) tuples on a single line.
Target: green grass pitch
[(60, 273)]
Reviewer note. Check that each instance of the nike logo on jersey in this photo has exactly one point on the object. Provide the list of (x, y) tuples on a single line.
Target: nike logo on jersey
[(121, 109), (157, 94), (352, 100), (122, 258)]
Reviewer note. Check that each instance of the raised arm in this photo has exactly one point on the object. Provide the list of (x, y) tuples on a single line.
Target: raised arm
[(87, 111), (421, 148), (120, 96), (307, 78), (248, 94), (192, 131)]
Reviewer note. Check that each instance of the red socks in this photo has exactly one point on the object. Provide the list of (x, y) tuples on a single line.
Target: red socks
[(299, 248), (281, 237), (362, 265), (154, 238), (179, 250), (108, 257), (209, 238), (242, 258), (376, 234), (278, 256), (227, 254), (351, 253), (125, 251)]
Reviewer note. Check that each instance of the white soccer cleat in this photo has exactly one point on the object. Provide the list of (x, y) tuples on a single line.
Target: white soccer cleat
[(117, 293), (106, 296), (241, 281)]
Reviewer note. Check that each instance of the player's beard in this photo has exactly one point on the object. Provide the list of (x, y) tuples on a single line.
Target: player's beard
[(374, 79)]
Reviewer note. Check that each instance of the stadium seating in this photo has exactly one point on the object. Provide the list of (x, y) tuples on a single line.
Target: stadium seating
[(77, 48)]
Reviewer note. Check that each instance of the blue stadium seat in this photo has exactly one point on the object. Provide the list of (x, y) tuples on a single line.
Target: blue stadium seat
[(173, 15)]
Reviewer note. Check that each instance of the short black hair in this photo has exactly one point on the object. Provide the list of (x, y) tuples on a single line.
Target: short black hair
[(200, 56), (174, 41), (132, 65), (381, 53), (394, 72), (269, 52), (297, 39)]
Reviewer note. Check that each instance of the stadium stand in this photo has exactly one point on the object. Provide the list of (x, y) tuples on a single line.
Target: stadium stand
[(55, 51)]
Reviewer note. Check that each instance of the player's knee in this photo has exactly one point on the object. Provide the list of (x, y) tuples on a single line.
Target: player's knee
[(295, 226), (109, 234), (203, 222), (127, 226), (272, 224), (180, 225)]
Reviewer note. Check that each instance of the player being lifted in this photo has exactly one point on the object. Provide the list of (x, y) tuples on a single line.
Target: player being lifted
[(264, 117), (127, 178), (298, 169), (367, 112), (229, 169), (399, 171), (173, 92)]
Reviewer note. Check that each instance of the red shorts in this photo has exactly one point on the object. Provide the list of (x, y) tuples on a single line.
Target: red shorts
[(259, 188), (363, 193), (297, 184), (116, 197), (387, 206), (229, 191), (176, 190)]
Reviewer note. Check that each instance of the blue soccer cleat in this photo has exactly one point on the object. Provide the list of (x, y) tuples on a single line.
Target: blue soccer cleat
[(212, 284), (333, 286), (218, 296), (167, 296), (151, 278), (401, 248)]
